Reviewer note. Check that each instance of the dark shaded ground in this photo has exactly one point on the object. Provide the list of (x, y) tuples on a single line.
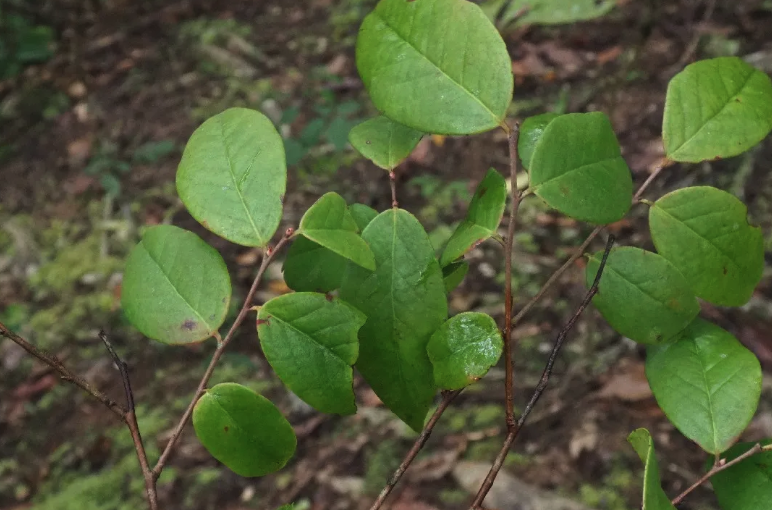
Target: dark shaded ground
[(129, 83)]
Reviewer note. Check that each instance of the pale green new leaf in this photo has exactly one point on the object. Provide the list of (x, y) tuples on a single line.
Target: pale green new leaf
[(311, 343), (707, 384), (232, 176), (176, 288), (704, 232), (404, 301), (716, 108), (383, 141), (654, 498), (437, 66)]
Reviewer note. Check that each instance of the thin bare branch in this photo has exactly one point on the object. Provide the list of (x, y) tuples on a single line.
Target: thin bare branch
[(514, 137), (447, 398), (221, 346), (661, 165), (542, 385), (393, 185)]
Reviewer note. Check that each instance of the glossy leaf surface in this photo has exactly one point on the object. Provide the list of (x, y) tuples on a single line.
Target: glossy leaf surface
[(654, 498), (482, 219), (641, 295), (243, 430), (707, 383), (232, 176), (578, 169), (716, 108), (705, 233), (463, 349), (176, 288), (530, 133), (311, 343), (383, 141), (437, 66), (748, 484), (404, 301)]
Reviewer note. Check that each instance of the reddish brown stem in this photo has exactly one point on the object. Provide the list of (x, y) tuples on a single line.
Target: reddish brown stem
[(267, 257), (393, 185), (447, 398)]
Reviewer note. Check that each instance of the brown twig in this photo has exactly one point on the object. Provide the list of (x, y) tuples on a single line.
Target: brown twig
[(542, 385), (447, 398), (514, 136), (393, 185), (131, 422), (661, 165), (267, 257), (719, 466)]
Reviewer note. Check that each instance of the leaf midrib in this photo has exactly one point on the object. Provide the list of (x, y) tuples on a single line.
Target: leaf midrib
[(573, 170)]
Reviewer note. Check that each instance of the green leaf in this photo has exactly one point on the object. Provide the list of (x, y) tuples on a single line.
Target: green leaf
[(463, 349), (383, 141), (705, 233), (716, 108), (310, 267), (531, 132), (654, 498), (547, 12), (329, 223), (748, 484), (362, 215), (438, 66), (453, 274), (641, 295), (707, 384), (243, 430), (176, 288), (578, 169), (232, 176), (311, 343), (404, 301), (482, 219)]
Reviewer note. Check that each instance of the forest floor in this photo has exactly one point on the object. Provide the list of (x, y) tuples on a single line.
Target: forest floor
[(89, 142)]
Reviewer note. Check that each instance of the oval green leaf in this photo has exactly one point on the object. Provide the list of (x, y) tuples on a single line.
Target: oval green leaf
[(546, 12), (243, 430), (748, 484), (232, 176), (716, 108), (311, 343), (577, 168), (383, 141), (310, 267), (705, 233), (329, 223), (176, 288), (707, 384), (362, 214), (654, 498), (482, 218), (404, 301), (453, 274), (463, 349), (641, 295), (531, 132), (437, 66)]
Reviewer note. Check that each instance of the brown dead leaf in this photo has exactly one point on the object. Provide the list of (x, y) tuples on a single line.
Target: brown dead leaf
[(27, 390), (609, 55), (249, 257), (79, 151), (629, 385), (338, 64), (368, 398), (422, 153), (278, 287)]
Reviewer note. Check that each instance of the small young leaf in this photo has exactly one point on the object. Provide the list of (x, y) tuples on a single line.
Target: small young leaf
[(329, 223), (577, 168), (232, 176), (176, 288), (704, 232), (311, 343), (453, 274), (716, 108), (530, 133), (654, 498), (405, 302), (707, 384), (438, 66), (383, 141), (748, 484), (463, 349), (310, 267), (243, 430), (482, 218), (641, 295), (362, 215), (547, 12)]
